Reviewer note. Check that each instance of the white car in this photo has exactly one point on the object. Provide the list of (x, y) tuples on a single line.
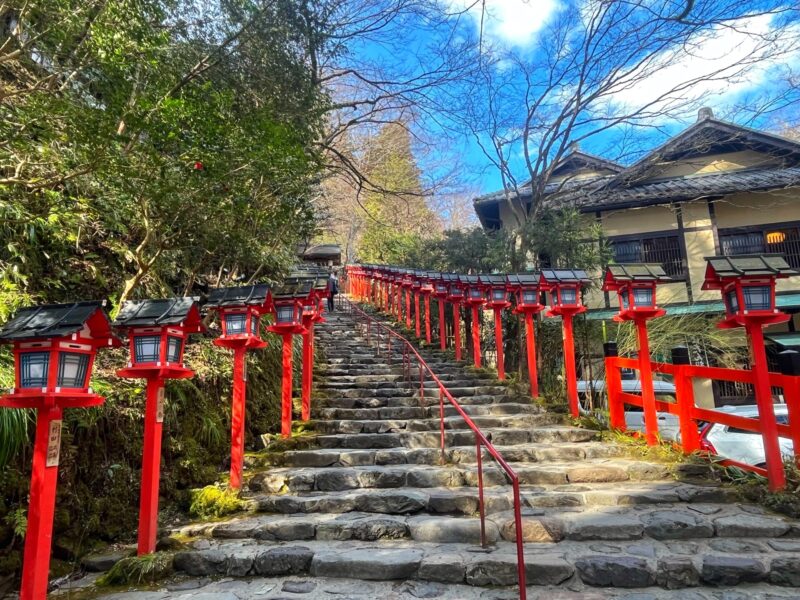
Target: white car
[(739, 444)]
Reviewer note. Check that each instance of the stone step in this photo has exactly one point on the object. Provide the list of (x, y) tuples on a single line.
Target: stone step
[(419, 412), (379, 400), (539, 452), (325, 479), (398, 381), (431, 424), (624, 565), (464, 500), (398, 389)]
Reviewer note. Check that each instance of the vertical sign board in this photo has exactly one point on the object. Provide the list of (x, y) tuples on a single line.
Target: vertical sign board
[(53, 443)]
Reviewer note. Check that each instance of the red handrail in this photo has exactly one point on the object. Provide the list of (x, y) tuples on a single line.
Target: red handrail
[(480, 439)]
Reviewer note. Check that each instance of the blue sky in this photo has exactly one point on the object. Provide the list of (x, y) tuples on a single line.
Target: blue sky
[(514, 26)]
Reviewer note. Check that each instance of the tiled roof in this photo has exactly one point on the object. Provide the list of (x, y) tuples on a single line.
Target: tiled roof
[(49, 321), (166, 311), (750, 264), (565, 276), (238, 296), (637, 272)]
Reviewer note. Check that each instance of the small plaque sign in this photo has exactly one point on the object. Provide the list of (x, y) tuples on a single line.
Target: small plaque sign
[(160, 405), (53, 443), (244, 371)]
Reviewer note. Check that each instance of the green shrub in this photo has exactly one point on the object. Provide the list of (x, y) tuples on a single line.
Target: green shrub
[(138, 569), (214, 501)]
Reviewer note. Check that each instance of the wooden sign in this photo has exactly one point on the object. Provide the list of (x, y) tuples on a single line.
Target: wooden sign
[(160, 405), (53, 443)]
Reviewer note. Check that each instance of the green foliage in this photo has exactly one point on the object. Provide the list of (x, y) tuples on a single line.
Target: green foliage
[(564, 238), (463, 251), (18, 521), (214, 501), (135, 570)]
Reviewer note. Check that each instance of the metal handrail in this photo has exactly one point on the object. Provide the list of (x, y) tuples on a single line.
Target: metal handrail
[(410, 351)]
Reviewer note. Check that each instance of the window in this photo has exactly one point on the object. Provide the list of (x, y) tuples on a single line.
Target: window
[(643, 296), (757, 297), (775, 239), (663, 250), (72, 367), (147, 348), (174, 349), (33, 369), (234, 323)]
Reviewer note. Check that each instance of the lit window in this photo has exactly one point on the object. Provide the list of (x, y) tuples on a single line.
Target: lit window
[(567, 295), (285, 314), (72, 368), (234, 323), (147, 348), (174, 349), (643, 296), (733, 301), (33, 369), (757, 297)]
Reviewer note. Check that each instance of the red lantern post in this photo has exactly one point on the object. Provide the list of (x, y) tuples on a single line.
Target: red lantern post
[(635, 285), (526, 288), (475, 297), (426, 290), (497, 299), (287, 303), (440, 290), (416, 287), (407, 283), (747, 284), (240, 310), (455, 297), (565, 287), (157, 332), (54, 351)]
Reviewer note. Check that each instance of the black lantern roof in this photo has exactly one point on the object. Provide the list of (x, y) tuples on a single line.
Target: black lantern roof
[(471, 280), (556, 276), (746, 265), (523, 279), (637, 272), (238, 296), (163, 311), (298, 289), (420, 274), (493, 280), (57, 320), (450, 277)]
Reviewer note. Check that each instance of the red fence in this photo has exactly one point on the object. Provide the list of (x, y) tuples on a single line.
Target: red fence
[(690, 415), (379, 332)]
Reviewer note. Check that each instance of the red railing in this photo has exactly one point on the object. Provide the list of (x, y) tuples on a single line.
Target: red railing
[(372, 326), (689, 414)]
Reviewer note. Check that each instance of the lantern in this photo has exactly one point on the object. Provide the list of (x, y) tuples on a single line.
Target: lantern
[(157, 332), (54, 351), (416, 288), (635, 285), (474, 297), (747, 284), (426, 288), (455, 295), (497, 299), (565, 286), (526, 288), (240, 310)]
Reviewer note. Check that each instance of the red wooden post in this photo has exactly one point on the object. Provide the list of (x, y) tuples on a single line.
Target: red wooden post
[(408, 308), (416, 315), (684, 392), (442, 330), (646, 381), (238, 416), (457, 329), (39, 534), (308, 368), (766, 413), (476, 337), (790, 368), (428, 318), (569, 365), (151, 466), (286, 387), (616, 409), (530, 341), (498, 338)]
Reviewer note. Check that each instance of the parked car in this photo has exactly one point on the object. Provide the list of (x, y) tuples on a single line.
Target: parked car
[(740, 444), (668, 425)]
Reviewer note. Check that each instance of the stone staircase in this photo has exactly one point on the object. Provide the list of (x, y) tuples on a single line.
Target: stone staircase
[(369, 497)]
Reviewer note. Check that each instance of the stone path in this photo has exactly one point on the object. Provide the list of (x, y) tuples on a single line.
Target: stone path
[(368, 499)]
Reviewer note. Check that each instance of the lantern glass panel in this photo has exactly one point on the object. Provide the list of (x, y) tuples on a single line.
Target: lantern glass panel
[(643, 296), (33, 369), (147, 348), (455, 290), (254, 324), (476, 293), (72, 369), (235, 323), (732, 301), (285, 313), (529, 297), (498, 294), (440, 287), (174, 349), (624, 297), (757, 297), (567, 295)]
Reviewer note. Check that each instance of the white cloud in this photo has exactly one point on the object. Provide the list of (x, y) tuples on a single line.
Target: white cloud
[(511, 22), (721, 64)]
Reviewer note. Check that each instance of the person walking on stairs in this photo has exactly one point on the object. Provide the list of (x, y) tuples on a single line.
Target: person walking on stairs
[(333, 289)]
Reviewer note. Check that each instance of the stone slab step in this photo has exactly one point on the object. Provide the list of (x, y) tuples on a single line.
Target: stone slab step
[(415, 411), (324, 479), (633, 565), (389, 424), (408, 400), (464, 500)]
